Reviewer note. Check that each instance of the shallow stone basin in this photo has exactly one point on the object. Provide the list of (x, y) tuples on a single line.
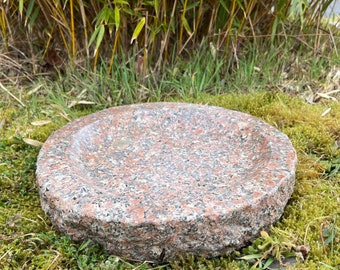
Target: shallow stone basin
[(160, 180)]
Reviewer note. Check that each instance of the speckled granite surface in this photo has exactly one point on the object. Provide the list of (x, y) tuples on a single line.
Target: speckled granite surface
[(158, 180)]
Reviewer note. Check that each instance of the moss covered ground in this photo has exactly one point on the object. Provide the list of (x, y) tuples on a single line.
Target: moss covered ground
[(307, 232)]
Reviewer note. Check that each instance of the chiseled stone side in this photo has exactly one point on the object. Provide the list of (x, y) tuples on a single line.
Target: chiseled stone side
[(159, 180)]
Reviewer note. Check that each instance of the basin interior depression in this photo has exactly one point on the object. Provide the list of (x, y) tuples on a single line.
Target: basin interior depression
[(160, 180)]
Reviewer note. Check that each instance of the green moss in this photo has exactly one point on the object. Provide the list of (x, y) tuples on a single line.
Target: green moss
[(311, 217), (315, 202)]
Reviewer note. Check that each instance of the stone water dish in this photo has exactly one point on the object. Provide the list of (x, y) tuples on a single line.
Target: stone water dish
[(160, 180)]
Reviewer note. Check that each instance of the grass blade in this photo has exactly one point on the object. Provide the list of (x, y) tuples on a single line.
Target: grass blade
[(13, 96)]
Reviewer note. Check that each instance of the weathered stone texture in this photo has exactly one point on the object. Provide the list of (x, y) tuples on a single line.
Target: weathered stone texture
[(158, 180)]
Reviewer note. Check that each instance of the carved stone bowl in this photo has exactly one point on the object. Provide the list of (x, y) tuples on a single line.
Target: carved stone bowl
[(160, 180)]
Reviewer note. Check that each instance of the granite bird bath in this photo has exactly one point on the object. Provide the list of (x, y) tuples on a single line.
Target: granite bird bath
[(160, 180)]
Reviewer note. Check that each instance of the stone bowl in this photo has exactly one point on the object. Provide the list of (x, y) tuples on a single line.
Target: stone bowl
[(161, 180)]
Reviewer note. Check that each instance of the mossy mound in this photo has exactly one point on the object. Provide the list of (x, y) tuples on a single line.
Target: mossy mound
[(311, 219)]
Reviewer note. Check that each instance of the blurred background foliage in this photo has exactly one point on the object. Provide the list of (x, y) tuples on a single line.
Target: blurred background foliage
[(155, 32)]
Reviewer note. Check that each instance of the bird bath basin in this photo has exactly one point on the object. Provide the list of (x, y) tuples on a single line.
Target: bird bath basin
[(160, 180)]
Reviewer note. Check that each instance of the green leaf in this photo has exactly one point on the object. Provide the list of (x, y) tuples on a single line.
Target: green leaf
[(21, 7), (117, 17), (330, 233), (31, 16), (128, 11), (97, 35), (138, 29), (100, 37), (274, 28), (94, 35), (224, 5), (34, 16), (29, 10), (105, 16), (84, 245), (268, 262), (251, 257), (156, 7), (186, 25)]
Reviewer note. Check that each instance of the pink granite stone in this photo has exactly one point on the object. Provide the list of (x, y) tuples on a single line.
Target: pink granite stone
[(160, 180)]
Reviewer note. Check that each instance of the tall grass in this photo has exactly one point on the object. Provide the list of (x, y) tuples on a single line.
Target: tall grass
[(156, 31)]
